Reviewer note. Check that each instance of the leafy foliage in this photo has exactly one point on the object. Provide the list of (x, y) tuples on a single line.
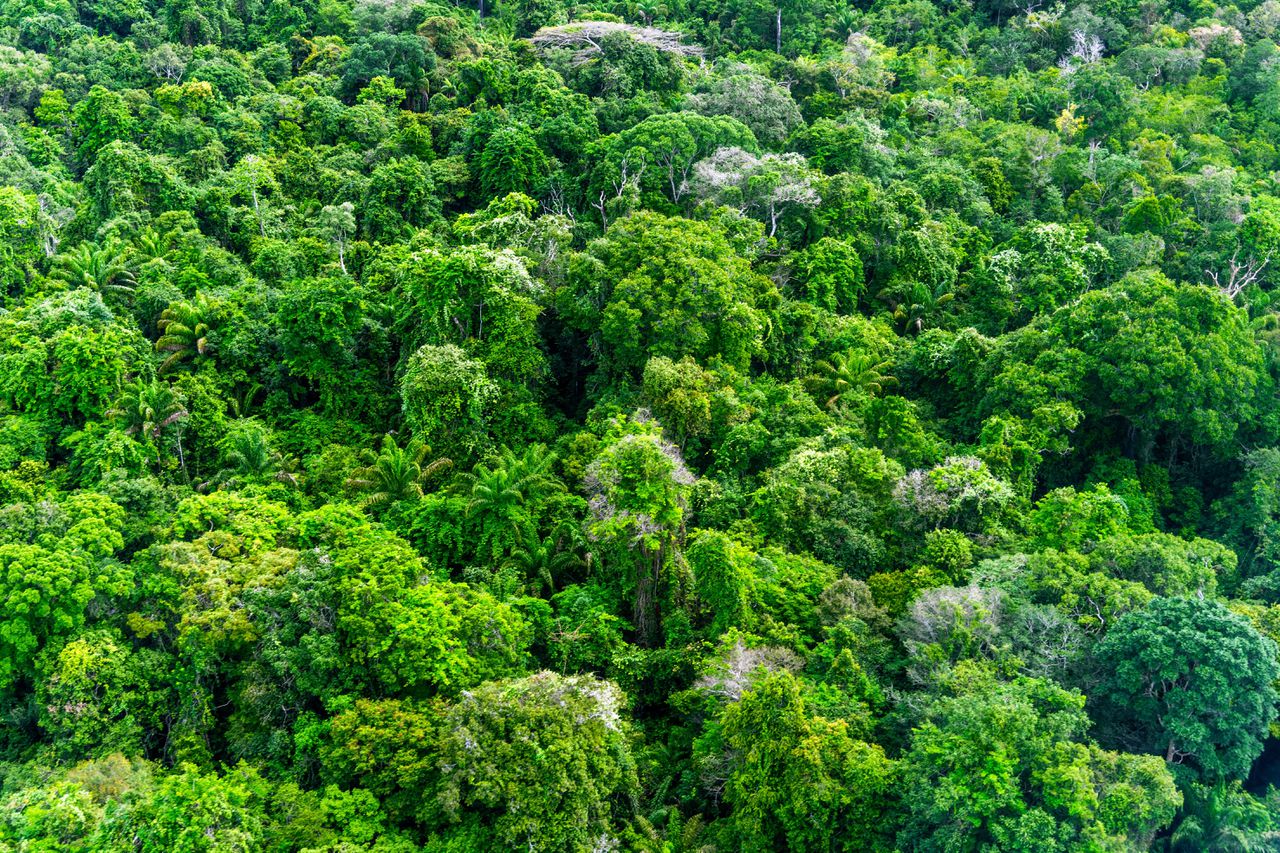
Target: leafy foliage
[(665, 426)]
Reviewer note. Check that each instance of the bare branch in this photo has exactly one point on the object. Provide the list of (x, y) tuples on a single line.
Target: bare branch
[(584, 39), (1240, 274)]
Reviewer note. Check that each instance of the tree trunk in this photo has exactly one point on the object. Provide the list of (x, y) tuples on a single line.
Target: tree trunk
[(645, 611)]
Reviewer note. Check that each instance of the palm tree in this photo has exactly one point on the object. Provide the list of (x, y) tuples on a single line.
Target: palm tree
[(243, 400), (249, 455), (852, 372), (1223, 818), (102, 269), (844, 24), (184, 331), (149, 245), (500, 492), (649, 10), (544, 559), (147, 409), (668, 831), (396, 474), (920, 305)]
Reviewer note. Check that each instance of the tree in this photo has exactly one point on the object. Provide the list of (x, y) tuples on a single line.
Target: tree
[(19, 239), (1166, 671), (248, 455), (45, 591), (126, 180), (759, 103), (586, 39), (542, 560), (511, 162), (768, 186), (66, 357), (404, 57), (851, 374), (1170, 366), (185, 329), (680, 395), (319, 321), (480, 299), (502, 496), (798, 781), (829, 273), (1247, 518), (918, 304), (960, 494), (542, 761), (190, 812), (148, 409), (338, 223), (102, 117), (101, 269), (835, 503), (1046, 266), (637, 485), (1001, 764), (661, 152), (399, 198), (447, 398), (1223, 817), (657, 286), (101, 697), (396, 474), (723, 576)]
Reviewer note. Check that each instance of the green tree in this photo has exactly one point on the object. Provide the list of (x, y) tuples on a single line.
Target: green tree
[(656, 286), (541, 761), (1166, 670), (511, 162), (1223, 817), (20, 246), (185, 330), (829, 273), (502, 496), (1001, 765), (396, 474), (152, 411), (447, 398), (799, 781), (1170, 365), (850, 375), (190, 812), (100, 118), (45, 590), (102, 269), (638, 486)]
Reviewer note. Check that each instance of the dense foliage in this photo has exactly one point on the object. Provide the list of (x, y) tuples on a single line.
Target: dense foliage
[(700, 425)]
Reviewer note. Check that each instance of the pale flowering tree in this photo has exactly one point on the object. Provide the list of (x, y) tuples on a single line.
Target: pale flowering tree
[(734, 672), (766, 187), (860, 67), (756, 101), (961, 494), (947, 624)]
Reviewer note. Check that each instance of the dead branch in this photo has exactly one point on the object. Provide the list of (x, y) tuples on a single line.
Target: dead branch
[(584, 39)]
